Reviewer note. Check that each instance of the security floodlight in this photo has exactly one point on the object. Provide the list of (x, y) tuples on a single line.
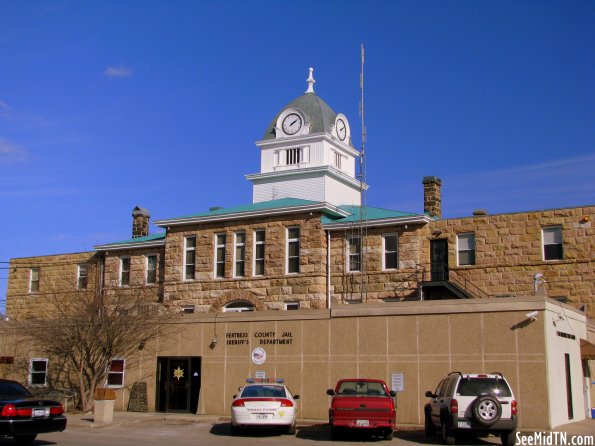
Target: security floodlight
[(532, 315)]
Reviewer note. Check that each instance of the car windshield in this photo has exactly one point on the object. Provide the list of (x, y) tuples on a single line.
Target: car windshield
[(11, 389), (263, 391), (361, 388), (479, 386)]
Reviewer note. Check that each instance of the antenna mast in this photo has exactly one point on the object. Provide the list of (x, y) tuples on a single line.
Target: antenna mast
[(362, 184)]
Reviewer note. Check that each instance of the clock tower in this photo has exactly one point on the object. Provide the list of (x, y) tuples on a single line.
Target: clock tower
[(307, 153)]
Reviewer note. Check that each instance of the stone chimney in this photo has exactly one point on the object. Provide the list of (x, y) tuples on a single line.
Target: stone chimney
[(140, 222), (432, 200)]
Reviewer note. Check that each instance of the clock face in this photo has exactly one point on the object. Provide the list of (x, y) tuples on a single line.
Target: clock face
[(292, 123), (341, 129)]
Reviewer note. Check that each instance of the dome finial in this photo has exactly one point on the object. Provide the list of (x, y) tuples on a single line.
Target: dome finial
[(310, 81)]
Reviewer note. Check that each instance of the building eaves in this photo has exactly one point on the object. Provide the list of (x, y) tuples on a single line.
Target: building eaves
[(149, 241), (372, 216), (262, 209)]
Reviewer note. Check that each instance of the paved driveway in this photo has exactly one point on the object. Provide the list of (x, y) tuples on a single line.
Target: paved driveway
[(213, 433)]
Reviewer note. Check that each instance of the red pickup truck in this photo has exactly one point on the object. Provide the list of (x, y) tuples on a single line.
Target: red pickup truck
[(364, 404)]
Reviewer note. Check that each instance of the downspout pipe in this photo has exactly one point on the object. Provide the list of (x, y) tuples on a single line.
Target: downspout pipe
[(328, 269)]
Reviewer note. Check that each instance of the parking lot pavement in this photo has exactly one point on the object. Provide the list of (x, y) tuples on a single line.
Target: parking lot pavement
[(132, 429)]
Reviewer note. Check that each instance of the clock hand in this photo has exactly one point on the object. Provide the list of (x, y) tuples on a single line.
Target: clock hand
[(291, 125)]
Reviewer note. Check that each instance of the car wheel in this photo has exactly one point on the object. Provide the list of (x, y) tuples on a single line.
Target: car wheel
[(25, 439), (388, 434), (508, 438), (430, 429), (448, 436), (291, 429), (235, 430), (486, 410)]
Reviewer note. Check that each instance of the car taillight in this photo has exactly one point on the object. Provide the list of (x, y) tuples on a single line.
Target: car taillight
[(286, 403), (513, 407), (59, 410), (238, 403), (454, 406), (11, 411)]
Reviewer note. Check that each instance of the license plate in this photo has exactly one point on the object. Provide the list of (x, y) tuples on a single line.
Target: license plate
[(39, 413), (362, 423), (465, 424), (262, 416)]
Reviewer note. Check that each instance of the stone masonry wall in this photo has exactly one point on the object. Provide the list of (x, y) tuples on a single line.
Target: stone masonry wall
[(509, 252), (379, 283), (208, 293), (57, 283)]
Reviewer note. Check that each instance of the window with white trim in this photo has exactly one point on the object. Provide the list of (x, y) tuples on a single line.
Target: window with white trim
[(291, 305), (338, 160), (466, 249), (151, 269), (189, 258), (34, 280), (238, 306), (38, 372), (81, 279), (354, 254), (239, 254), (124, 271), (293, 156), (552, 243), (220, 241), (390, 251), (259, 250), (293, 251), (115, 373)]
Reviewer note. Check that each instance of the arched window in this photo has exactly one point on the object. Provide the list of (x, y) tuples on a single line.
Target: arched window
[(238, 306)]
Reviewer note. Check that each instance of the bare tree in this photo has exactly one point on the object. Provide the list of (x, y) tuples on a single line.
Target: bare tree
[(88, 330)]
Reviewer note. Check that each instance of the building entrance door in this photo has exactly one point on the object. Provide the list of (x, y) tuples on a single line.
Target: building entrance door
[(439, 260), (178, 384)]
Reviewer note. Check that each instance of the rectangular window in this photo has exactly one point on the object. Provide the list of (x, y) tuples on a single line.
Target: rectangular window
[(355, 254), (38, 372), (189, 258), (124, 271), (151, 268), (82, 277), (115, 373), (34, 280), (259, 248), (293, 250), (220, 240), (293, 156), (291, 305), (466, 249), (390, 245), (188, 309), (338, 159), (239, 254), (552, 243)]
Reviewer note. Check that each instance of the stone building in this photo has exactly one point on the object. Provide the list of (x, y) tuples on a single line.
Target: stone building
[(375, 285)]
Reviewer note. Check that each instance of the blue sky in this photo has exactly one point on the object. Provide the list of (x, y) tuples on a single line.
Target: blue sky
[(106, 105)]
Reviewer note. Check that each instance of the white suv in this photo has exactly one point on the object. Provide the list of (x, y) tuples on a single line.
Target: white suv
[(474, 403)]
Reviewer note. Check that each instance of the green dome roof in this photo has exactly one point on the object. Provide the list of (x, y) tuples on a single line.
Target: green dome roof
[(321, 116)]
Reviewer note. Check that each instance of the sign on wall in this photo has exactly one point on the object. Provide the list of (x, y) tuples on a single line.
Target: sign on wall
[(259, 356), (397, 382)]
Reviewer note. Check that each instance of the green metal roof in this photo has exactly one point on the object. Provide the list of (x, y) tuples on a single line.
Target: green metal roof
[(148, 238), (369, 214), (261, 206)]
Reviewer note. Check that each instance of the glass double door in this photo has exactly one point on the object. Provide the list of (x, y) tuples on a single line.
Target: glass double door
[(178, 384)]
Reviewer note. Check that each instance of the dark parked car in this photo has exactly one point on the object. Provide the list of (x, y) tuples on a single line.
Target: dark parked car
[(22, 416)]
